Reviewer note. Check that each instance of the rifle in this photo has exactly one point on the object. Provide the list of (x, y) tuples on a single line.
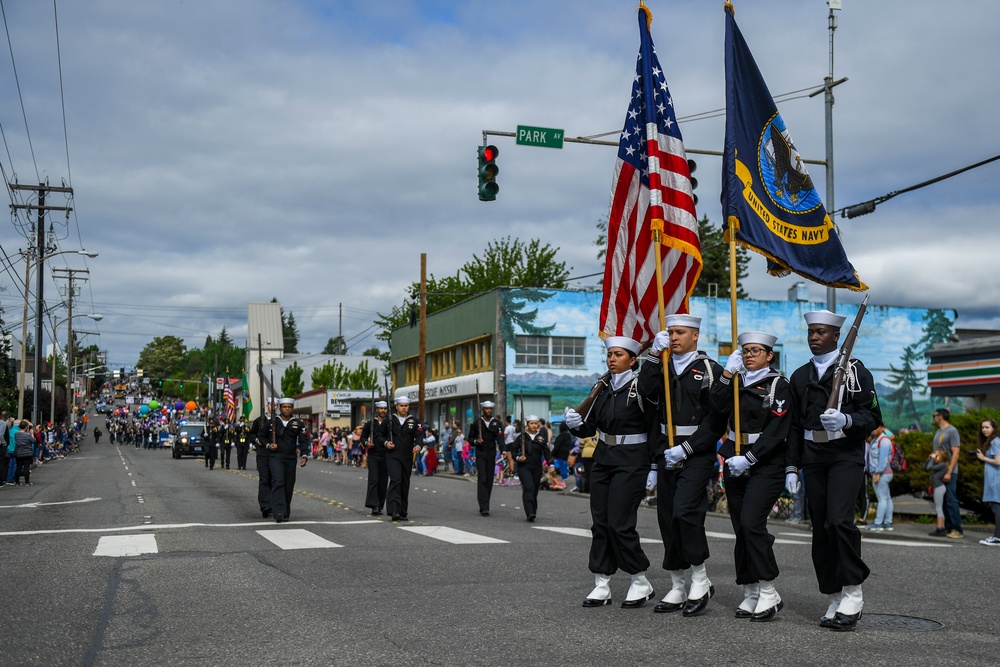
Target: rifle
[(273, 446), (602, 382), (524, 426), (840, 368), (479, 421), (260, 375)]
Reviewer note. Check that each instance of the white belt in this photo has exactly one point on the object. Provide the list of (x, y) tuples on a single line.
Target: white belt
[(749, 438), (823, 436), (679, 430), (614, 440)]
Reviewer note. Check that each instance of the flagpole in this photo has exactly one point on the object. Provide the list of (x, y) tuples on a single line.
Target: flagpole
[(657, 227), (735, 335)]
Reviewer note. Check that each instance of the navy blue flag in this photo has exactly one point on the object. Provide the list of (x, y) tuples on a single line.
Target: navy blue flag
[(768, 198)]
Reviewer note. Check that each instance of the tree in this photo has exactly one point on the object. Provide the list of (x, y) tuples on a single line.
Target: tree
[(937, 329), (906, 380), (504, 262), (371, 352), (334, 375), (289, 331), (164, 356), (602, 238), (291, 380), (335, 345), (8, 380), (715, 262)]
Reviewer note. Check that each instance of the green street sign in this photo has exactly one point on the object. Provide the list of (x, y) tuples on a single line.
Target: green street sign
[(544, 137)]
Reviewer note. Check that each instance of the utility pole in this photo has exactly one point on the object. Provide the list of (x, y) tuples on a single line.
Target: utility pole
[(341, 345), (41, 189), (828, 84), (70, 293), (422, 357)]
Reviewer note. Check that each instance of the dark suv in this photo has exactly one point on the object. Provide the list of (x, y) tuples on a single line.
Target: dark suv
[(190, 440)]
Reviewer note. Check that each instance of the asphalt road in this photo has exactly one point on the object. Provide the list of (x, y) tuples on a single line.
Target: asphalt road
[(205, 581)]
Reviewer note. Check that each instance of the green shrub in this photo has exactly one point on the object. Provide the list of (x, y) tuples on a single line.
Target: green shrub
[(917, 447)]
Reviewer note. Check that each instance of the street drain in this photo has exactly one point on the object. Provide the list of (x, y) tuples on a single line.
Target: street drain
[(897, 623)]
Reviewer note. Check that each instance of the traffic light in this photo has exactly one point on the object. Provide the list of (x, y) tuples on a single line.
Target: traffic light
[(488, 171), (692, 167), (159, 382), (182, 384)]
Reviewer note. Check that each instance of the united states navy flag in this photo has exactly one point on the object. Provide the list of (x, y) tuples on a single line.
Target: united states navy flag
[(768, 198)]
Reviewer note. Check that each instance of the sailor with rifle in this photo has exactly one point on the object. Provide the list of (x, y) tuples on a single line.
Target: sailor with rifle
[(624, 425), (486, 435), (374, 436), (531, 452), (834, 408), (287, 441), (405, 436)]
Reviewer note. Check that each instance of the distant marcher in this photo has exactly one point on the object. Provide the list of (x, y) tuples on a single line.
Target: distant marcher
[(989, 453), (946, 437)]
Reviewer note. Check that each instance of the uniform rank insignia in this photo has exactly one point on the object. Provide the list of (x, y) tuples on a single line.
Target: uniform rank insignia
[(779, 408), (697, 376)]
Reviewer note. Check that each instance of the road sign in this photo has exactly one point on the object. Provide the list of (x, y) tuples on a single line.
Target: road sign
[(544, 137)]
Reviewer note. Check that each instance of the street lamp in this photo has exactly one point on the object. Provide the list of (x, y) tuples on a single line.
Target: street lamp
[(69, 361), (36, 378)]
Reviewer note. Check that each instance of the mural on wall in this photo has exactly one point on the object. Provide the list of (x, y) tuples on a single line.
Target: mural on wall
[(891, 344)]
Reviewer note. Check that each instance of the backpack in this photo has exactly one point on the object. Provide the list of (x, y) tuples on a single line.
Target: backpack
[(897, 462)]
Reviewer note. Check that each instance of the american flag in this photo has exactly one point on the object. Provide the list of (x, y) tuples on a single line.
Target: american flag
[(652, 183), (230, 400)]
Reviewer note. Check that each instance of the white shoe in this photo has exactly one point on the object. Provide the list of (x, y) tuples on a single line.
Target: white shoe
[(601, 595), (831, 610), (851, 602), (639, 592), (700, 584), (751, 592)]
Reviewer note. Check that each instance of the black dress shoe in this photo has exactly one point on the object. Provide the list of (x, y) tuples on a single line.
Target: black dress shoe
[(278, 518), (592, 602), (696, 607), (826, 621), (265, 513), (667, 607), (484, 512), (767, 614), (395, 517), (375, 513), (635, 604), (531, 518), (844, 622), (743, 613)]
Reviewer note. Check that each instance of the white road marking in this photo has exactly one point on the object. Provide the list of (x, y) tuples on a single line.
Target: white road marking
[(905, 543), (62, 502), (451, 535), (169, 526), (126, 545), (296, 538)]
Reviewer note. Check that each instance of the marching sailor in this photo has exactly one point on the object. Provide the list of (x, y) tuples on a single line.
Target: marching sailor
[(830, 446), (621, 470), (531, 451), (755, 471), (374, 436), (405, 436), (486, 435), (686, 468)]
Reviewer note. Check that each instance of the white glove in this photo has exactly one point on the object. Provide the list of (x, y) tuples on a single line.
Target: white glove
[(738, 465), (651, 480), (573, 418), (792, 484), (674, 455), (661, 341), (833, 420), (735, 362)]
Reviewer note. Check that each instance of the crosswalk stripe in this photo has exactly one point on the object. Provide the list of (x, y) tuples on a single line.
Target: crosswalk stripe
[(585, 532), (296, 538), (126, 545), (451, 535)]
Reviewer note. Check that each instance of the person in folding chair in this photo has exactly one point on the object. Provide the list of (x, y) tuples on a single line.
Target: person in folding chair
[(755, 471)]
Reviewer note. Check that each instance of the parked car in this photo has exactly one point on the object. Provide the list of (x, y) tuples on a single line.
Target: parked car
[(190, 440)]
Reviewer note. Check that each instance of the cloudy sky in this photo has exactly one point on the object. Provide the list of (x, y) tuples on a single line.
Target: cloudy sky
[(226, 151)]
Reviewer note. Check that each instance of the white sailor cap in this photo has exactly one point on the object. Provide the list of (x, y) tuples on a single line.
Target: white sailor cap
[(825, 317), (401, 400), (623, 342), (381, 404), (759, 337), (286, 401), (487, 404), (532, 418), (683, 320)]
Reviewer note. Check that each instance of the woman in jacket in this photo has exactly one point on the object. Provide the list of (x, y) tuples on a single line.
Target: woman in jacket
[(24, 449)]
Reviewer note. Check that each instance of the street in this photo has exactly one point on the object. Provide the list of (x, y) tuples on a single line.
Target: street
[(118, 556)]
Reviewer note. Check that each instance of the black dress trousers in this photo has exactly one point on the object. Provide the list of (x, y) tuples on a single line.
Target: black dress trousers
[(751, 498)]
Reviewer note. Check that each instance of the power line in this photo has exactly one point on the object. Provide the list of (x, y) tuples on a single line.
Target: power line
[(17, 82)]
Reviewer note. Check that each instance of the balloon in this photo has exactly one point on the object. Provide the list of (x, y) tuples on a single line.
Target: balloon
[(179, 405), (153, 405), (191, 406), (144, 409)]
